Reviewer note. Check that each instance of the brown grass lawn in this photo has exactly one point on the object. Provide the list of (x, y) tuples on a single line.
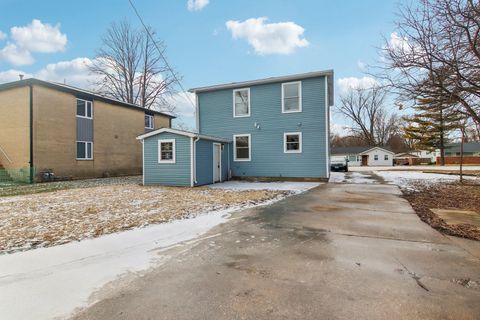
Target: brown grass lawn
[(447, 196)]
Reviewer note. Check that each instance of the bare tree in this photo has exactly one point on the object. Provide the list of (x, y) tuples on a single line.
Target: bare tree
[(131, 69), (366, 108), (436, 39)]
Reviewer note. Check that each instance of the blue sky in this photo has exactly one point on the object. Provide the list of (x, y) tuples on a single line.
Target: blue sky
[(313, 35)]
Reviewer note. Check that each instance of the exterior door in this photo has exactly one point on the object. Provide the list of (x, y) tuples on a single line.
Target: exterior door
[(364, 160), (217, 162)]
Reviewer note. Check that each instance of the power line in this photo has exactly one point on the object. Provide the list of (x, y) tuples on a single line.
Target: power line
[(162, 55)]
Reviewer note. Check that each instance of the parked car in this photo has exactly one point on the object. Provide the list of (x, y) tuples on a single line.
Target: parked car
[(339, 165)]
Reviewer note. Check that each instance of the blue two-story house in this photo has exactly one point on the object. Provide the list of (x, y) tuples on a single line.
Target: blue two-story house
[(273, 129)]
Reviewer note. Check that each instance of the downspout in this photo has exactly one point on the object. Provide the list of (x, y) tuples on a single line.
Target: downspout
[(31, 132), (195, 160)]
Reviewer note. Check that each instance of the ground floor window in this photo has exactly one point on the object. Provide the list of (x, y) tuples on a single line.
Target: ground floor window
[(292, 142), (166, 151), (84, 150), (241, 147), (386, 157), (375, 157)]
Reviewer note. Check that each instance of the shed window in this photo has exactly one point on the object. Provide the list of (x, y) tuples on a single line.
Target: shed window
[(242, 147), (84, 150), (84, 109), (148, 121), (241, 103), (375, 157), (385, 157), (292, 142), (292, 97), (166, 151)]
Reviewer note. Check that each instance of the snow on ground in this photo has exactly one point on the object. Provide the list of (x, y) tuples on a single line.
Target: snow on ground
[(53, 218), (407, 180), (408, 168), (351, 177), (296, 187), (51, 282)]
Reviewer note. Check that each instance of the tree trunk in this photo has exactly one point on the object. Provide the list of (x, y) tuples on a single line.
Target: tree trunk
[(461, 155)]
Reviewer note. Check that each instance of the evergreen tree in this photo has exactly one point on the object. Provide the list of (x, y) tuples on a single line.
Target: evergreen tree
[(434, 119)]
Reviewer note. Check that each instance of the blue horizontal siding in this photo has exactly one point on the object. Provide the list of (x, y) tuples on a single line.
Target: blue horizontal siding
[(268, 159), (175, 174), (204, 161)]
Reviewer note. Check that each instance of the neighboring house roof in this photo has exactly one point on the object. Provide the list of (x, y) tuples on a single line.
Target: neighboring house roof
[(405, 155), (77, 91), (182, 133), (357, 150), (467, 147), (293, 77)]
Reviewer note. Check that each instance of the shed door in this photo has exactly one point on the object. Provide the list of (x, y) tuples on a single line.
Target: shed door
[(217, 160)]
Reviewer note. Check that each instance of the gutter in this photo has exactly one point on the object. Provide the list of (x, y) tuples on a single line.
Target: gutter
[(31, 132)]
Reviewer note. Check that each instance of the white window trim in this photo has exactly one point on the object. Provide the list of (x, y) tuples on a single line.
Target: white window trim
[(385, 157), (375, 156), (233, 98), (235, 147), (152, 122), (300, 140), (84, 117), (299, 97), (86, 142), (174, 157)]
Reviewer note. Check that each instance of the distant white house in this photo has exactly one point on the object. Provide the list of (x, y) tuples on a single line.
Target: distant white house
[(363, 156)]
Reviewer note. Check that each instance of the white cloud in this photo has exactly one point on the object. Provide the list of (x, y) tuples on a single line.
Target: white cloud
[(196, 5), (39, 37), (341, 130), (15, 55), (398, 42), (362, 66), (269, 38), (13, 75), (74, 72), (350, 83), (35, 37)]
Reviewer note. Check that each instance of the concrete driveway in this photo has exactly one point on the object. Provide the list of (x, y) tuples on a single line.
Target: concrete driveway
[(339, 251)]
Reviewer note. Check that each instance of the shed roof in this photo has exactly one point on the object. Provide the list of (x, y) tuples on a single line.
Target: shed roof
[(182, 133), (75, 90)]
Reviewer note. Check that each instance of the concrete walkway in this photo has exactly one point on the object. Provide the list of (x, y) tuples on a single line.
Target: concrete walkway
[(339, 251)]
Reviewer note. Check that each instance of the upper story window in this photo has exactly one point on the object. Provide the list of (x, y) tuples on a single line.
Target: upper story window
[(291, 97), (149, 121), (166, 151), (241, 147), (241, 103), (292, 142), (84, 109)]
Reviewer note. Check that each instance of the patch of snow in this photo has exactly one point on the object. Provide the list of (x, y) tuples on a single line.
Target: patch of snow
[(406, 180), (295, 187), (337, 177), (52, 282), (351, 177)]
